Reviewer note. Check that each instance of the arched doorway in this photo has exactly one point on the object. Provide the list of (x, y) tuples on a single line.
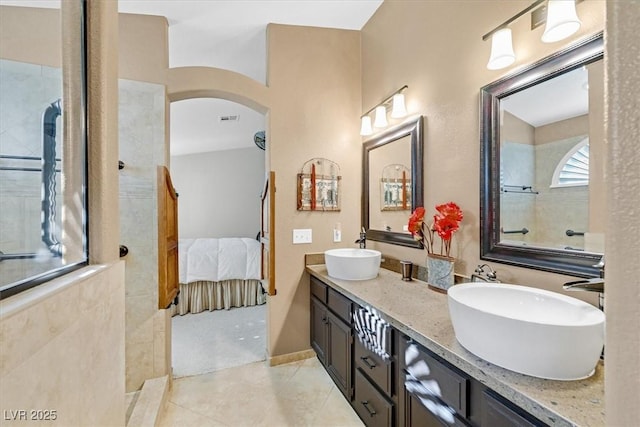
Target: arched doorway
[(219, 171)]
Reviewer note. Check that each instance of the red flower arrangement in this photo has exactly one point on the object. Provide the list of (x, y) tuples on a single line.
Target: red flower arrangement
[(445, 222)]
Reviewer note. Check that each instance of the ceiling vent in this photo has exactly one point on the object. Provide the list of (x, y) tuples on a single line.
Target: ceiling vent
[(229, 119)]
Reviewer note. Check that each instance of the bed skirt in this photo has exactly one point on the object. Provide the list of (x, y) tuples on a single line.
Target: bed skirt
[(196, 297)]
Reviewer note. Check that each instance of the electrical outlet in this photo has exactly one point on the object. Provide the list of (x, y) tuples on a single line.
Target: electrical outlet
[(337, 235), (302, 235)]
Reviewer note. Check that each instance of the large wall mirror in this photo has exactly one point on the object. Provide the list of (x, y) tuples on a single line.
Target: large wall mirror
[(542, 194), (392, 182)]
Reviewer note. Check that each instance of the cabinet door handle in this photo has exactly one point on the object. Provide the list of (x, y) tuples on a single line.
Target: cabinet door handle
[(369, 408), (365, 360), (325, 320)]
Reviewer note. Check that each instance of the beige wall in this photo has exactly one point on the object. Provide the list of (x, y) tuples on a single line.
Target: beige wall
[(219, 192), (144, 47), (314, 80), (26, 35), (563, 129), (622, 380), (515, 130), (63, 342), (445, 67)]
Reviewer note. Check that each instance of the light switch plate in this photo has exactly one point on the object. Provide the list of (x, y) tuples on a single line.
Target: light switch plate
[(302, 235)]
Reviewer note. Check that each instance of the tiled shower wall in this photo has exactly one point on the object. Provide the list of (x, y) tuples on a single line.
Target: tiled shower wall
[(518, 208), (559, 209), (27, 91), (142, 147), (548, 214)]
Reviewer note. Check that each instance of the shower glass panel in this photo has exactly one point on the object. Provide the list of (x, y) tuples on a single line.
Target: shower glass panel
[(42, 143)]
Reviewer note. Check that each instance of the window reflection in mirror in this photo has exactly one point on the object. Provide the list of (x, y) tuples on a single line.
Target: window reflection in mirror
[(42, 144), (548, 187), (536, 124)]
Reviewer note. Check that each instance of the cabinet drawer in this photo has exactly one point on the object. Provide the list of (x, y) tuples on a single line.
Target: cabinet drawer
[(372, 407), (498, 414), (319, 289), (419, 416), (378, 370), (452, 386), (340, 305)]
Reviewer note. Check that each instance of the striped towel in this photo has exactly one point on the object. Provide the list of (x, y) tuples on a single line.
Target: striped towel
[(372, 330)]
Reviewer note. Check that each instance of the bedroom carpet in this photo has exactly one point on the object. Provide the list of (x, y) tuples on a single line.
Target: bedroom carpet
[(219, 339)]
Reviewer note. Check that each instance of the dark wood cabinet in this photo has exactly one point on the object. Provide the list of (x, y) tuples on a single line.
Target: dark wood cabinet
[(332, 335), (375, 369), (410, 386), (433, 393), (339, 354), (319, 334)]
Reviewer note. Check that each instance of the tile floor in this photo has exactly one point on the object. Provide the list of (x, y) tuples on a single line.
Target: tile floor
[(295, 394)]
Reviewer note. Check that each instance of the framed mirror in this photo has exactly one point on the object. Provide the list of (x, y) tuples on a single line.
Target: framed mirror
[(392, 182), (542, 154)]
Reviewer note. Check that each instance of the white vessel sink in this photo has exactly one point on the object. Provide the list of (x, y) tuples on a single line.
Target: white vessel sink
[(527, 330), (352, 263)]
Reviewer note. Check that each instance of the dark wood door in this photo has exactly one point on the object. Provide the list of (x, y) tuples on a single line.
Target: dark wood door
[(167, 239), (267, 234), (319, 329), (340, 354)]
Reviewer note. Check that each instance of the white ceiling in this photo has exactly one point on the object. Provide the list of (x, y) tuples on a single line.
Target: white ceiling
[(232, 35), (560, 98)]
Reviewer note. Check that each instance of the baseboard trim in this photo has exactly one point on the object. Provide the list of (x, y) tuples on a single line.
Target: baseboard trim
[(291, 357)]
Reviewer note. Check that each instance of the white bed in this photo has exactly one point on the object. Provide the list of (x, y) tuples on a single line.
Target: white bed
[(218, 273)]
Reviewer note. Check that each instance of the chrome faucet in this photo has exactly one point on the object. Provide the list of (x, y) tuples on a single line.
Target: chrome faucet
[(362, 241), (595, 284), (480, 275)]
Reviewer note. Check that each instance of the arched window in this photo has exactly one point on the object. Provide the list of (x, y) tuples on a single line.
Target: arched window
[(573, 169)]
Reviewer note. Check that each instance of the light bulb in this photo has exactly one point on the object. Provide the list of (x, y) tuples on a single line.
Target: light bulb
[(399, 110), (365, 128), (562, 20), (381, 117), (501, 50)]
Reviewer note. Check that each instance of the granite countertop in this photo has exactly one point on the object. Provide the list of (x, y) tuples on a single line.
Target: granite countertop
[(423, 314)]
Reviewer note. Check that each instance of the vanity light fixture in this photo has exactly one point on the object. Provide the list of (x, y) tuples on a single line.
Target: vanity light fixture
[(561, 22), (398, 110)]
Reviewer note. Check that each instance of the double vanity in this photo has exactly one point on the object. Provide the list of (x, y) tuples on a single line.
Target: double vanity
[(390, 347), (490, 354)]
